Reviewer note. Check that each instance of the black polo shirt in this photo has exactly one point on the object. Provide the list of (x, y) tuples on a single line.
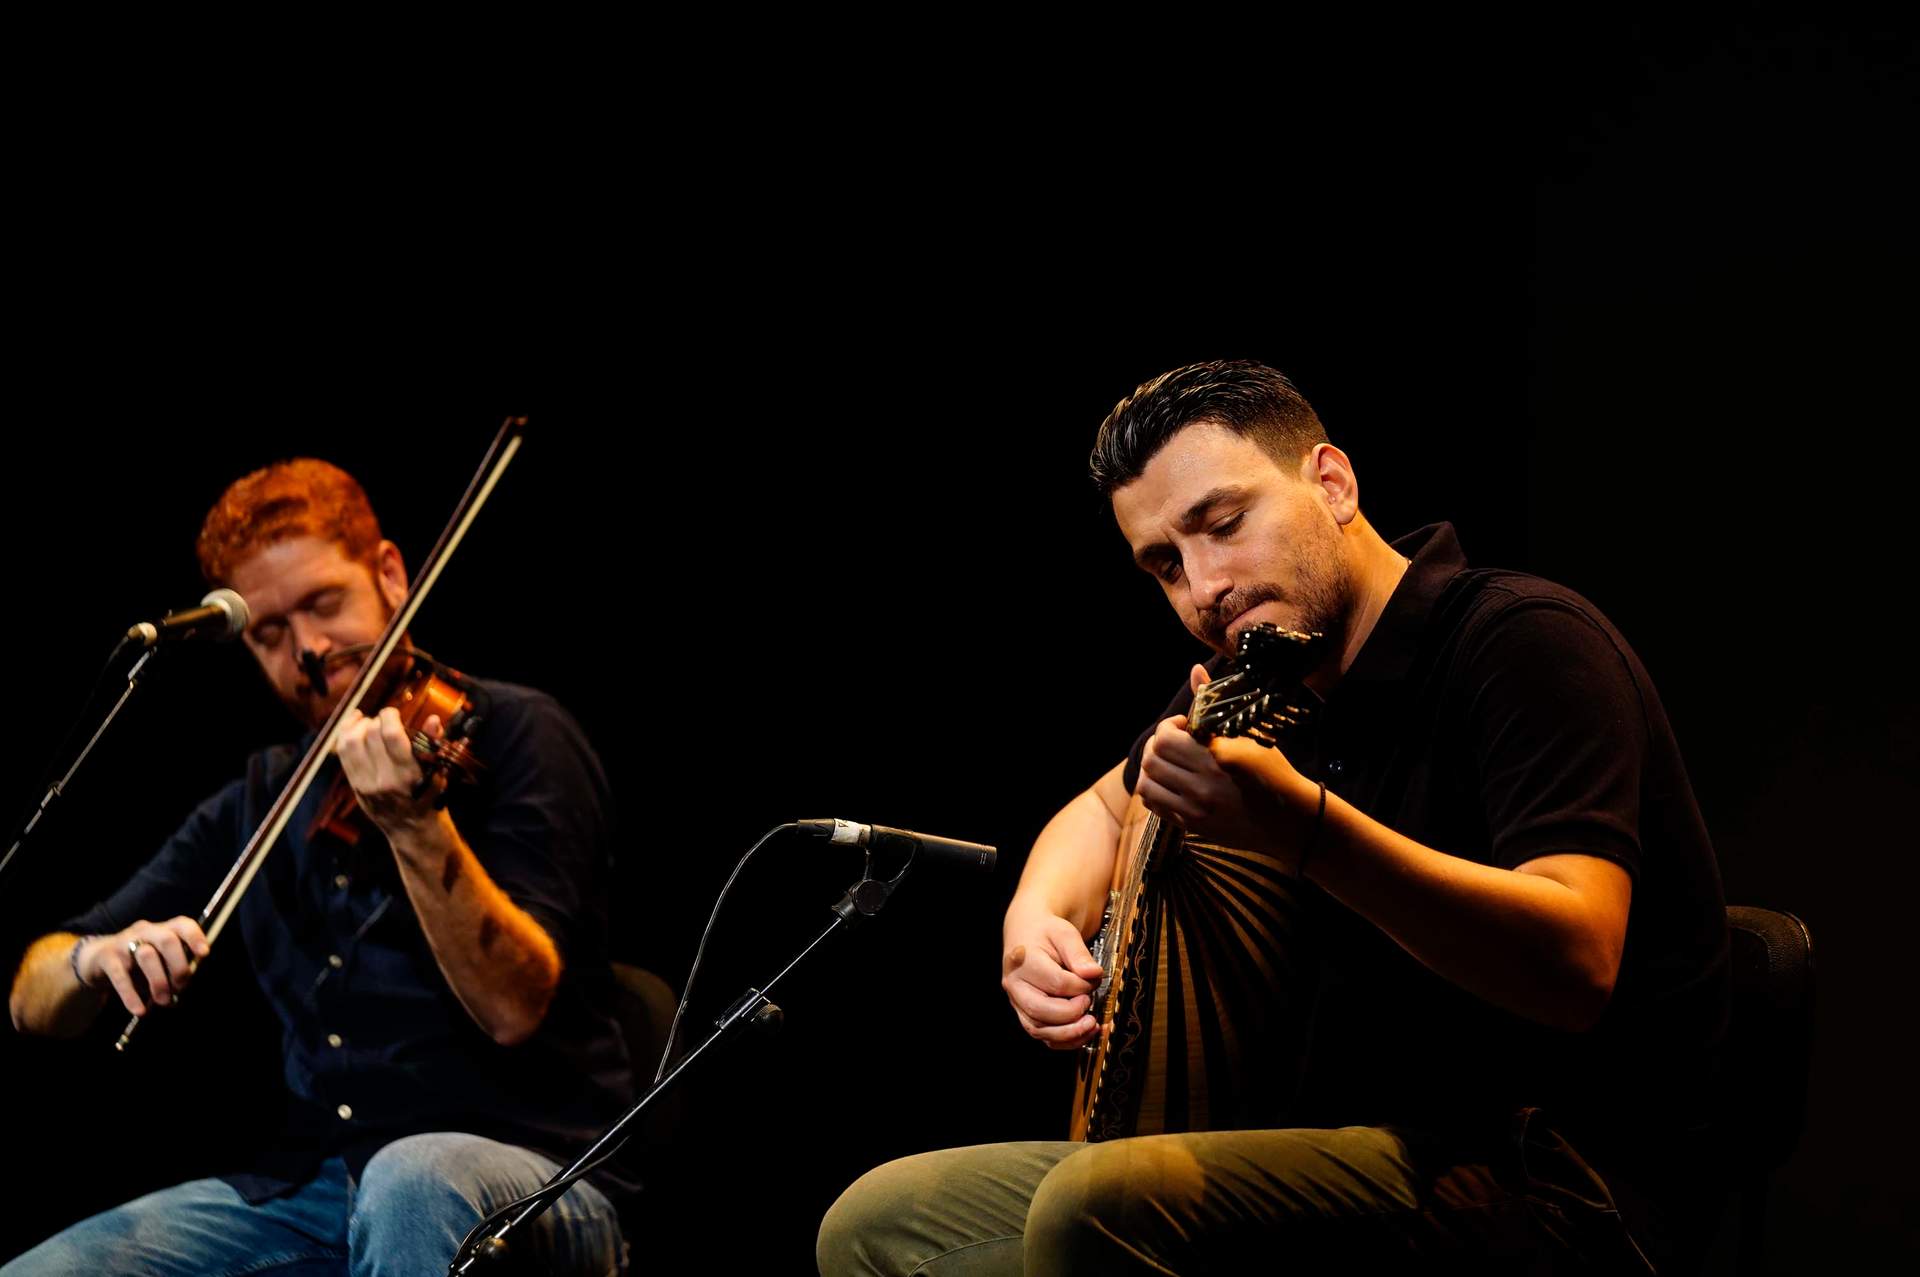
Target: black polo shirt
[(375, 1043), (1498, 717)]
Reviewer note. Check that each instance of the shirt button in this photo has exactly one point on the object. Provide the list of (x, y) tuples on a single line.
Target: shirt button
[(334, 1039), (335, 961), (1336, 767), (346, 1112), (340, 881)]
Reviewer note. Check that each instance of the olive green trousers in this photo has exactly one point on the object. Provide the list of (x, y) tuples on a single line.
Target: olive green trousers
[(1358, 1199)]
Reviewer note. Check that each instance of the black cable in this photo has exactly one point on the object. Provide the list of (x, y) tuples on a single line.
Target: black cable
[(700, 953), (551, 1192)]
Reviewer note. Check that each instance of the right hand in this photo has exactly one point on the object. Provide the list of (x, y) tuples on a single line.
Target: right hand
[(1049, 977), (157, 966)]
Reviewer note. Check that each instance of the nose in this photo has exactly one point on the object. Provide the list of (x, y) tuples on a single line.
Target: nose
[(308, 636), (1208, 580)]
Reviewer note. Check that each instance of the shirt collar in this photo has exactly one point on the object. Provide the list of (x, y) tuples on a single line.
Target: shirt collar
[(1389, 650)]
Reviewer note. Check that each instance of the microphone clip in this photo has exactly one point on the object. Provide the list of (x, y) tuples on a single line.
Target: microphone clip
[(868, 896)]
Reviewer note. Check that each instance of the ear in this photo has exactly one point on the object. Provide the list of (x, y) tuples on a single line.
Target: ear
[(390, 574), (1329, 469)]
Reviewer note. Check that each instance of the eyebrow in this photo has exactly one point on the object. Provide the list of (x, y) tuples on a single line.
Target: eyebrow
[(1195, 515)]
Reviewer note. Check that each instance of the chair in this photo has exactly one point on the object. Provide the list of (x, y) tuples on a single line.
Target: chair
[(1769, 1044), (644, 1005)]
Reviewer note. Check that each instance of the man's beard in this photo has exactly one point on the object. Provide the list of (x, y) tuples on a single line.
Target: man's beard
[(1318, 602), (312, 704)]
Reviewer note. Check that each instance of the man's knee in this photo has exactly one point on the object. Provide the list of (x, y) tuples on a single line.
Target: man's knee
[(436, 1164), (1147, 1199), (853, 1232), (1090, 1206), (440, 1178)]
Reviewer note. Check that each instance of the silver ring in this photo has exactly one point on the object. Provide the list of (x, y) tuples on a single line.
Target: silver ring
[(133, 947)]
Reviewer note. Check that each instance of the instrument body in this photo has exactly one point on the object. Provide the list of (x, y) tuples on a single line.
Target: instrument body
[(1195, 936), (420, 688)]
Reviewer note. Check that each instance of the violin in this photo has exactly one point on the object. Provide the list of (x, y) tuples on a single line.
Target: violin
[(418, 687)]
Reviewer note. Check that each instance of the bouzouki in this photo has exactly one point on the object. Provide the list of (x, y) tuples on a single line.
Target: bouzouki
[(1195, 941)]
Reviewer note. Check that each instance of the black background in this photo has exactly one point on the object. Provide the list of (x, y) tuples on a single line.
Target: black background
[(801, 526)]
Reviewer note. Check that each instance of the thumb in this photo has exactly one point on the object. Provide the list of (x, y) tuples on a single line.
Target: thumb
[(1073, 951), (1197, 678)]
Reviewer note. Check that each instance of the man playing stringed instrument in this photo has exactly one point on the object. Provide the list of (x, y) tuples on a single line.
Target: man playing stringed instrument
[(441, 983), (1475, 884)]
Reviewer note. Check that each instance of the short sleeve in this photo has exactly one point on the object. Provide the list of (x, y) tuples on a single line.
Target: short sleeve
[(1559, 725), (543, 831)]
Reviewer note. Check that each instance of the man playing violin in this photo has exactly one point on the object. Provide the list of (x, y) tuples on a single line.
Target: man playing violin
[(1491, 883), (441, 984)]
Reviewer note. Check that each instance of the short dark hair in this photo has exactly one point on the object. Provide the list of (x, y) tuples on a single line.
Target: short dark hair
[(1247, 398)]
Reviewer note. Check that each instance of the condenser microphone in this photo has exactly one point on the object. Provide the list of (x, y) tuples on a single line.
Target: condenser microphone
[(221, 615), (971, 855)]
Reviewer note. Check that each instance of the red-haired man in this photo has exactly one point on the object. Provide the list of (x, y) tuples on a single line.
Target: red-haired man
[(441, 988)]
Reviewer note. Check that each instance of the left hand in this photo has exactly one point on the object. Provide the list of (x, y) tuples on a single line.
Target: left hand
[(1230, 791), (377, 757)]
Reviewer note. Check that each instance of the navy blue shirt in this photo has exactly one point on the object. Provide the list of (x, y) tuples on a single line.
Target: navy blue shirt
[(376, 1045)]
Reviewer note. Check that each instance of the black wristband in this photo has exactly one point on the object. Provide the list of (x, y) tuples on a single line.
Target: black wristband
[(1313, 836)]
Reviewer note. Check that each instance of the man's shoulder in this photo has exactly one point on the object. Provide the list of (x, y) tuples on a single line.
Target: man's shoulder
[(518, 698), (530, 725), (514, 709), (1486, 602), (1537, 640)]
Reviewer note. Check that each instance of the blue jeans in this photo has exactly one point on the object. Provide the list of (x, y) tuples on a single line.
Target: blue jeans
[(405, 1216)]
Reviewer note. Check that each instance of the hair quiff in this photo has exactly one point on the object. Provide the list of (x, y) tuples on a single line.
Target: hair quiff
[(1247, 398), (303, 497)]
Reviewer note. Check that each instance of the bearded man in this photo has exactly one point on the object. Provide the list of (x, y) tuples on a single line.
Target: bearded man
[(1481, 861), (442, 984)]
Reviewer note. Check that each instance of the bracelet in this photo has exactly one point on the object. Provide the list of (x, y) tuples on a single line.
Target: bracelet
[(1313, 838), (73, 958)]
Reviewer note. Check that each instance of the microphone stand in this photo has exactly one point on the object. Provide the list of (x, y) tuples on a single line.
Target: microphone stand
[(58, 787), (485, 1252)]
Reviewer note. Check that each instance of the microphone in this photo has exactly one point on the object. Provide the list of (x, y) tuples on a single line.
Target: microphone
[(847, 833), (221, 615)]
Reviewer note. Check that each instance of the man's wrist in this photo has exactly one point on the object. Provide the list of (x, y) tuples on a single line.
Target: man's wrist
[(424, 837), (1023, 915), (73, 958)]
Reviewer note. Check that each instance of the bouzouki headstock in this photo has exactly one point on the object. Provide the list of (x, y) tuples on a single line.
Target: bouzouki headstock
[(1263, 695)]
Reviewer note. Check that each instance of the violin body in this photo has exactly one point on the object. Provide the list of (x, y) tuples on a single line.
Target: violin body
[(419, 688)]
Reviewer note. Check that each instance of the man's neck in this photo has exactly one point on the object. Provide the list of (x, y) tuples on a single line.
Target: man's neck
[(1376, 569)]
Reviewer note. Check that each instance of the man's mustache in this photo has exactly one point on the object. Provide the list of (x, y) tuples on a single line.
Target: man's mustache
[(314, 666), (1214, 620)]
